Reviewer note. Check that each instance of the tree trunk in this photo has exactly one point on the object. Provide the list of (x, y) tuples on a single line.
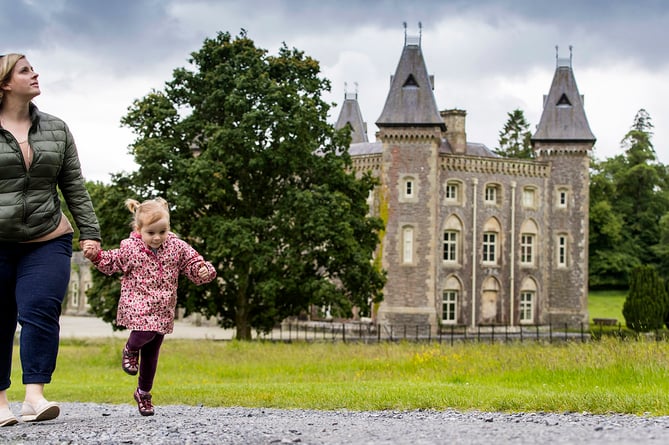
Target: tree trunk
[(242, 322)]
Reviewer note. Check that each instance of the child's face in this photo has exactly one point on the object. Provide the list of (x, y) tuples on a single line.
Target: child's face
[(154, 234)]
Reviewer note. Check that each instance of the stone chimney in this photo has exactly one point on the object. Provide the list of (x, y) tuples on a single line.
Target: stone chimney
[(455, 129)]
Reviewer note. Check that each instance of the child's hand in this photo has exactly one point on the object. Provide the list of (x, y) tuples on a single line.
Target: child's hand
[(204, 271)]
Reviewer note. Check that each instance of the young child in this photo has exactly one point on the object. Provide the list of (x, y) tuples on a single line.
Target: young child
[(150, 260)]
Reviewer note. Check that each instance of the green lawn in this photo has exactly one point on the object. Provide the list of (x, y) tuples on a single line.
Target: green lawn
[(597, 376), (607, 304), (602, 376)]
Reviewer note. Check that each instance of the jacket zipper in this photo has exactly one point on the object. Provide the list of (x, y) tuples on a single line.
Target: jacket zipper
[(24, 217)]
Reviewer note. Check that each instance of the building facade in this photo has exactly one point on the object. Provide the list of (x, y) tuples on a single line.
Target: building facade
[(472, 238), (76, 301)]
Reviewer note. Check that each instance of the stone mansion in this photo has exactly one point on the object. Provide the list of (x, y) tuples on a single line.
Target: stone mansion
[(472, 238)]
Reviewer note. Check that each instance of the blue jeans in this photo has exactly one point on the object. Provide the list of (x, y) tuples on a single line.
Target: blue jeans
[(33, 283)]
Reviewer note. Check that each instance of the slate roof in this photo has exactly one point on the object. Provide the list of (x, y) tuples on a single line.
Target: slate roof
[(563, 117), (350, 114), (410, 100), (365, 148), (472, 149)]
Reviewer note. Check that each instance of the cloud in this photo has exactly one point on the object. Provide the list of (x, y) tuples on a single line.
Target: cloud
[(488, 57)]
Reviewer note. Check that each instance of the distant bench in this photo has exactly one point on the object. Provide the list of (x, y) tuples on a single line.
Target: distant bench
[(605, 321)]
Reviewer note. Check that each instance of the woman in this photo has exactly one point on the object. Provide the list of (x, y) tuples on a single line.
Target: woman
[(37, 157)]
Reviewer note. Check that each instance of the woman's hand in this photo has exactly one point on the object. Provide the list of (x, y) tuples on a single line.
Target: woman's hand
[(91, 248)]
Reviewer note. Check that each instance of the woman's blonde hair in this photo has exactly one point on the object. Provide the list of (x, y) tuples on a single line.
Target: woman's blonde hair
[(148, 212), (7, 64)]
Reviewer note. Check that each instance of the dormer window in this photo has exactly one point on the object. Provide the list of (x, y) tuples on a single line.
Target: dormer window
[(410, 82), (564, 101)]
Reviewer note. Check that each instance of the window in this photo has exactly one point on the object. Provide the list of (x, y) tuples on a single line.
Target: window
[(562, 251), (526, 309), (529, 197), (491, 231), (453, 191), (491, 194), (407, 245), (74, 294), (489, 247), (528, 239), (451, 246), (562, 198), (526, 302), (408, 189), (490, 300), (452, 239), (527, 248), (449, 300), (449, 306)]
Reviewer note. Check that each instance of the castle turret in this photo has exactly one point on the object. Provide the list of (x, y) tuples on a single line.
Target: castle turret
[(564, 139), (350, 115), (411, 131)]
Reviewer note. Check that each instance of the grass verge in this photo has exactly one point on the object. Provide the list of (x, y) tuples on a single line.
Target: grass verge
[(599, 377)]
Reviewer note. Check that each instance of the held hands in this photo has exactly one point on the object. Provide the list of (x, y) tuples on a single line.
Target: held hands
[(91, 248)]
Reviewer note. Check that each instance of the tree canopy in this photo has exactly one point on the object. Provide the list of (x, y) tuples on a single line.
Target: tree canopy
[(515, 137), (629, 205), (258, 182)]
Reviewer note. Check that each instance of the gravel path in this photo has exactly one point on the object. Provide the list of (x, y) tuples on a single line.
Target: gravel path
[(88, 423)]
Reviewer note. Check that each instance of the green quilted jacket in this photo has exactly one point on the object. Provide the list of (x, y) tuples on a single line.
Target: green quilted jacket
[(29, 203)]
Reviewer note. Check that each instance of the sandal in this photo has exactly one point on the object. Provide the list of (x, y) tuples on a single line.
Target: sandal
[(130, 361), (44, 410), (7, 418), (144, 403)]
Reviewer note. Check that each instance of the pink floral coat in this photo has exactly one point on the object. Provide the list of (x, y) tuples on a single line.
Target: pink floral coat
[(149, 282)]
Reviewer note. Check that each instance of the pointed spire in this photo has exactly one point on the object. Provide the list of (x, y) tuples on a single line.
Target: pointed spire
[(410, 100), (350, 115), (563, 118)]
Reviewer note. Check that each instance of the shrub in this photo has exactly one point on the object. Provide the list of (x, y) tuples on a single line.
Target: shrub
[(645, 307)]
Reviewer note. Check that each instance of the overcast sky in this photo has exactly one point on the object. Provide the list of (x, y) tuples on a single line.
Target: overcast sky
[(488, 57)]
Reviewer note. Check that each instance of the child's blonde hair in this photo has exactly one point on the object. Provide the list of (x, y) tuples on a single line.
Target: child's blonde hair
[(148, 212)]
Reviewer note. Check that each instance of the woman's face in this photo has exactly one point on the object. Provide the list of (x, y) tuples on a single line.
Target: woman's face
[(23, 82)]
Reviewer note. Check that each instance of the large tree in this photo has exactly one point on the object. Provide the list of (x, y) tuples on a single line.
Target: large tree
[(260, 183), (628, 198), (515, 137)]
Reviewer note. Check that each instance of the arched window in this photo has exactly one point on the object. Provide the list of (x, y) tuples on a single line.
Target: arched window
[(528, 243), (490, 252), (452, 240), (527, 302), (451, 300), (489, 300)]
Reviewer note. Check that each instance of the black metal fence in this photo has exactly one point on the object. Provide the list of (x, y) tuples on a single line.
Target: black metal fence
[(377, 333)]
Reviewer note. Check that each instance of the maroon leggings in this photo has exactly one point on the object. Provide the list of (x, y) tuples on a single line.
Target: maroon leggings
[(148, 344)]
